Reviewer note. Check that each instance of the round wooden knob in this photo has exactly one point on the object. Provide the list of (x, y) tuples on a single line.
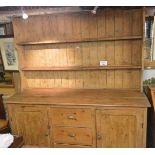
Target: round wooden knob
[(72, 135), (71, 117)]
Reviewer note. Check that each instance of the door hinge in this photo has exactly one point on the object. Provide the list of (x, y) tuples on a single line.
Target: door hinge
[(142, 125)]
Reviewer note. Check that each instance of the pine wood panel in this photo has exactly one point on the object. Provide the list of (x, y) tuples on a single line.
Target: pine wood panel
[(106, 23), (119, 22), (84, 54), (83, 79), (110, 27), (76, 32), (28, 122), (84, 97), (137, 22), (120, 129), (127, 22)]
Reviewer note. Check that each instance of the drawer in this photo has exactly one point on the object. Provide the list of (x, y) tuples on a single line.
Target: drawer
[(72, 117), (68, 135)]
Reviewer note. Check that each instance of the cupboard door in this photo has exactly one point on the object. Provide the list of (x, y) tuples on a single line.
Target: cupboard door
[(31, 122), (121, 128)]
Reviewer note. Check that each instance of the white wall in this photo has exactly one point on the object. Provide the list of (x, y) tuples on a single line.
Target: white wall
[(149, 73)]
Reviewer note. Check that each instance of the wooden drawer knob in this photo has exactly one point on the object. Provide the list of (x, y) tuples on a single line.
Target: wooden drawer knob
[(72, 135), (46, 135), (71, 117)]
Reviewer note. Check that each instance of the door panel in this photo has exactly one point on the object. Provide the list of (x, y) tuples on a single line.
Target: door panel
[(119, 128), (32, 124)]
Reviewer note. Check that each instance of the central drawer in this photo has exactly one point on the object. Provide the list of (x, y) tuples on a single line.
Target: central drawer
[(69, 135), (71, 117)]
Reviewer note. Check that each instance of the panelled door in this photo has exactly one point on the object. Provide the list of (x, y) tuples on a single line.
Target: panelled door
[(31, 122), (120, 128)]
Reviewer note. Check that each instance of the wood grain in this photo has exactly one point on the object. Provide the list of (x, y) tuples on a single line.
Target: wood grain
[(87, 79), (119, 129), (93, 97), (73, 46), (25, 118)]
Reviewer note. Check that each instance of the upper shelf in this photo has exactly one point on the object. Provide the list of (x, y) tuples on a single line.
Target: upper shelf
[(82, 40), (74, 68)]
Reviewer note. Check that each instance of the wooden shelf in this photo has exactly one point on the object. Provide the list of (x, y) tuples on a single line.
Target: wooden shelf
[(82, 40), (78, 68)]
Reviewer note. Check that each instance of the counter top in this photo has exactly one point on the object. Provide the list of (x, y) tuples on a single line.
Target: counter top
[(93, 97)]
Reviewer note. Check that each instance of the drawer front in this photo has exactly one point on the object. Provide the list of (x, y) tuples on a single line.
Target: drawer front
[(72, 117), (68, 135)]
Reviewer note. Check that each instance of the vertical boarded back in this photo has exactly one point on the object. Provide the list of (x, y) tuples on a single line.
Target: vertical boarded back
[(81, 40)]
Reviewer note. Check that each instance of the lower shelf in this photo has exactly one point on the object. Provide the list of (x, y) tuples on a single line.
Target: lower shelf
[(79, 68)]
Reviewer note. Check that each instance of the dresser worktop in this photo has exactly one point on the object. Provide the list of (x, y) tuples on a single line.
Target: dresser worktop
[(93, 97)]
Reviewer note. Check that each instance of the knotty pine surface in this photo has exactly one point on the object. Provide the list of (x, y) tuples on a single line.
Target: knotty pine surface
[(123, 53), (83, 79), (83, 97), (107, 23)]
